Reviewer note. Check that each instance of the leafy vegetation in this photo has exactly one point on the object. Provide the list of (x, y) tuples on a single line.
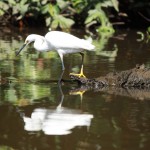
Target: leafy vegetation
[(144, 36), (58, 14), (79, 13)]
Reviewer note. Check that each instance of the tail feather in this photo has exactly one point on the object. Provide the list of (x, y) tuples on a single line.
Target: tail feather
[(88, 45)]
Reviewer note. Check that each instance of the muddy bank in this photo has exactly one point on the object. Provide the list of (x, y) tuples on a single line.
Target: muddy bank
[(138, 77)]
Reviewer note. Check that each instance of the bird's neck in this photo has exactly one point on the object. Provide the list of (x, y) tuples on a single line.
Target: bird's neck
[(40, 43)]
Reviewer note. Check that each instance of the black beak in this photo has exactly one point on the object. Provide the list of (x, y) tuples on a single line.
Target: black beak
[(17, 53)]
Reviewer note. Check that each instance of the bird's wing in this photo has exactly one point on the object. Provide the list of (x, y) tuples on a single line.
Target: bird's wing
[(62, 40)]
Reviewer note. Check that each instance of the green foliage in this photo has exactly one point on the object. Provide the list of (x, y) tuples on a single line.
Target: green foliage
[(16, 7), (61, 13), (62, 22), (143, 36), (3, 8), (55, 19), (148, 32), (79, 5), (97, 15)]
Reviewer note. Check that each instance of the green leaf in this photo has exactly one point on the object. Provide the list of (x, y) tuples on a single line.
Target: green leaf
[(12, 2), (1, 12), (109, 3), (93, 15), (48, 21), (53, 10), (45, 9), (79, 5), (62, 4), (23, 8), (15, 9), (106, 29), (65, 22), (54, 24), (62, 22), (22, 2), (44, 2), (3, 8), (148, 29), (97, 15), (115, 4)]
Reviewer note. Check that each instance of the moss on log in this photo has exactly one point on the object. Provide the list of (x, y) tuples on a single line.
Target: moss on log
[(138, 77)]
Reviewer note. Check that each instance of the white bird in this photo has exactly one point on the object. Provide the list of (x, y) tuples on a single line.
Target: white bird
[(63, 43)]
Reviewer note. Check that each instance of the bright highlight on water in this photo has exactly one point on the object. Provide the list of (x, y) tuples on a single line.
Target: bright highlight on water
[(63, 43)]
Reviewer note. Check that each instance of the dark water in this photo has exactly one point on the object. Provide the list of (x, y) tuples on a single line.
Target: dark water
[(37, 114)]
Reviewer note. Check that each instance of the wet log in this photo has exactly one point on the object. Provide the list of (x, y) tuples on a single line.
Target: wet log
[(138, 77)]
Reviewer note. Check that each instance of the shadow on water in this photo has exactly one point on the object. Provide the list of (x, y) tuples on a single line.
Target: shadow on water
[(36, 113)]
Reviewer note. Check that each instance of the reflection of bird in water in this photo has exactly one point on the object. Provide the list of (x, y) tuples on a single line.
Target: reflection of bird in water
[(79, 91), (58, 121), (54, 122), (63, 43)]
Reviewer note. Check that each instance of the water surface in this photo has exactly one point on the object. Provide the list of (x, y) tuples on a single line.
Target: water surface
[(36, 113)]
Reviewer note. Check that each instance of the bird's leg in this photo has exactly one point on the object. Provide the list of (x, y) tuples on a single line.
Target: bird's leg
[(81, 70), (60, 78), (62, 61), (63, 67)]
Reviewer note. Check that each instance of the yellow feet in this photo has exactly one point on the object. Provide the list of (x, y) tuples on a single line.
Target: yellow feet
[(78, 75)]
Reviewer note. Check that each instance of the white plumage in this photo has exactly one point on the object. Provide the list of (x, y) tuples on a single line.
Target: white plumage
[(62, 40), (63, 43)]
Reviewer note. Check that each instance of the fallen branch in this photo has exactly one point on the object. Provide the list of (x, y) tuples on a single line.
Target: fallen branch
[(138, 77)]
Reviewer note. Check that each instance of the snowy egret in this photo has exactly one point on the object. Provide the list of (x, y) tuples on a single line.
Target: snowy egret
[(63, 43)]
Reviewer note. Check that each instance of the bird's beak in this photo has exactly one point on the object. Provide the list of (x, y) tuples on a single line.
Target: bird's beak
[(17, 53)]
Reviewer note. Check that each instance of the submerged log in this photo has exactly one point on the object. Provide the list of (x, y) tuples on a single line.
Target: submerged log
[(138, 77)]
